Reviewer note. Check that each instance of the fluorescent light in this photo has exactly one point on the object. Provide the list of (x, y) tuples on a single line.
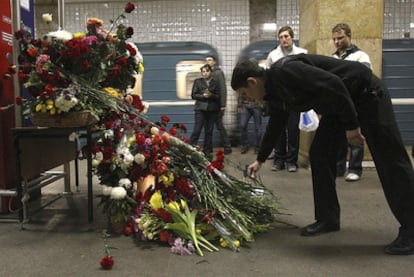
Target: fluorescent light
[(269, 26)]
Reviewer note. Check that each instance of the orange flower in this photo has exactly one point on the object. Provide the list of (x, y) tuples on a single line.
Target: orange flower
[(32, 51)]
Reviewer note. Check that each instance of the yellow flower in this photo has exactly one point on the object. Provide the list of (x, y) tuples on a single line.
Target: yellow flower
[(79, 35), (49, 104), (111, 91), (183, 203), (130, 141), (174, 205), (237, 243), (167, 180), (52, 111), (38, 107), (223, 243), (140, 67), (156, 200)]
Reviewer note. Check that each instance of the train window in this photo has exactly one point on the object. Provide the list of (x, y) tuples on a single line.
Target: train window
[(138, 85), (186, 73)]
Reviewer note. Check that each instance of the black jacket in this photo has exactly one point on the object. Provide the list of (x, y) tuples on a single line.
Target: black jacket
[(205, 104), (330, 86)]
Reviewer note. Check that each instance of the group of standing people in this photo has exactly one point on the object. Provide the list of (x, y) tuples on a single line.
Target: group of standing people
[(210, 95), (354, 107), (286, 150)]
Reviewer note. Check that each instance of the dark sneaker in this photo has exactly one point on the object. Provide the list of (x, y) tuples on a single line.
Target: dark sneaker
[(292, 168), (400, 246), (227, 151), (277, 167)]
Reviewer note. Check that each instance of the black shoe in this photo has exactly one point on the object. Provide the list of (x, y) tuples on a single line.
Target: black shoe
[(319, 227), (227, 151), (400, 246), (244, 149)]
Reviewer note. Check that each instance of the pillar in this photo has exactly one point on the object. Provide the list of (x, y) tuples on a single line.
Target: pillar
[(318, 17)]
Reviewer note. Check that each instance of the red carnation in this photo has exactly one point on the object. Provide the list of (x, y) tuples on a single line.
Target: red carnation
[(19, 100), (129, 32), (107, 262), (129, 7), (165, 118), (164, 236)]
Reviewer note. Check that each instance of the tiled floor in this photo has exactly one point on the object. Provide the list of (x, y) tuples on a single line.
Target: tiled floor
[(58, 241)]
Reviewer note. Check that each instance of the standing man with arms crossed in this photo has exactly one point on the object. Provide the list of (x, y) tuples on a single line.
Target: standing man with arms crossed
[(350, 99), (287, 147), (218, 75), (345, 50)]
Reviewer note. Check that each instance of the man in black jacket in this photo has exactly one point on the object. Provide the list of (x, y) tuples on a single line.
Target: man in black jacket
[(352, 102)]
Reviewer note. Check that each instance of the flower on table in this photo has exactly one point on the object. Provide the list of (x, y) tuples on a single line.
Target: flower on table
[(96, 61)]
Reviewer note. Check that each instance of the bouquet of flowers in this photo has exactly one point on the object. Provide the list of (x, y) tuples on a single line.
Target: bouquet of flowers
[(166, 189), (91, 71), (181, 197)]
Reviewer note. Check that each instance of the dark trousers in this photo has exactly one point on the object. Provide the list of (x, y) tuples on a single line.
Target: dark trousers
[(204, 119), (356, 155), (223, 134), (246, 114), (287, 146), (391, 159)]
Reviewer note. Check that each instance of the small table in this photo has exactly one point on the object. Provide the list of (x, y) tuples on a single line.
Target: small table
[(39, 149)]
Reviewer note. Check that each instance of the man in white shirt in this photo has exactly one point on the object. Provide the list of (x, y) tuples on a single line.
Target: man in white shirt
[(287, 147), (341, 36)]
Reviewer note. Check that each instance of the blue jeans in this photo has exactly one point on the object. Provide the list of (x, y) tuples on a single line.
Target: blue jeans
[(356, 156), (220, 127), (287, 147), (204, 119), (246, 114)]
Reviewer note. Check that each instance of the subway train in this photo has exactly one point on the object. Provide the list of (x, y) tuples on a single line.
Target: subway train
[(171, 67)]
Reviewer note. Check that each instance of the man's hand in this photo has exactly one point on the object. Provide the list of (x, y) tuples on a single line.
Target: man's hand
[(355, 137), (253, 168)]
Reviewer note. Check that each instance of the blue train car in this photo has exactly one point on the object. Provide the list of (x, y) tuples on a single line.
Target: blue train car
[(170, 71), (397, 73)]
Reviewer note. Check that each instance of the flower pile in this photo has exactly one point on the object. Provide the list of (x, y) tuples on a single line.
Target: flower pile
[(153, 182), (181, 198), (65, 72)]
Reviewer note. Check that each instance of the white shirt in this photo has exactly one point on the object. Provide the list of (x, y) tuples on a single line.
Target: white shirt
[(358, 56), (279, 53)]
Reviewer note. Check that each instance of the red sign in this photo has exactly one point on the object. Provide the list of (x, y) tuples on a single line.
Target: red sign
[(7, 113)]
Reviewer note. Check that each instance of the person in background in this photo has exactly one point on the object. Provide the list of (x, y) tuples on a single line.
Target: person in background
[(345, 50), (249, 109), (351, 100), (218, 75), (206, 93), (287, 147)]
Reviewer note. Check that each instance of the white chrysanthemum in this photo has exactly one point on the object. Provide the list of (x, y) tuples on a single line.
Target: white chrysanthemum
[(47, 17), (154, 130), (108, 133), (125, 182), (95, 163), (99, 156), (98, 159), (146, 107), (106, 190), (118, 193), (139, 158), (61, 35), (125, 156), (66, 102)]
